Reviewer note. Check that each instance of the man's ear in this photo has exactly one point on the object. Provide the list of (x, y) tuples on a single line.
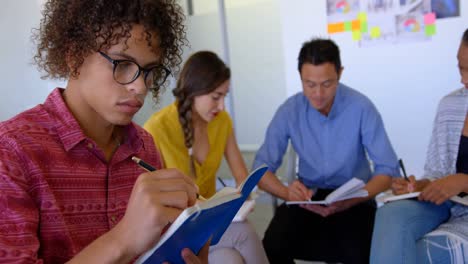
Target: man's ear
[(340, 72)]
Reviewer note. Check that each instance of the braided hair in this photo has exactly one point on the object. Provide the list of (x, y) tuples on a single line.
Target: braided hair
[(201, 74)]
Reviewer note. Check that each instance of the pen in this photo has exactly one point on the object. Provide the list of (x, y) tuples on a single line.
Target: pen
[(143, 164), (403, 169), (150, 168)]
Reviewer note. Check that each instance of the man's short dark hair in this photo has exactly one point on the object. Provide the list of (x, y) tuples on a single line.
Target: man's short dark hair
[(318, 51), (465, 37)]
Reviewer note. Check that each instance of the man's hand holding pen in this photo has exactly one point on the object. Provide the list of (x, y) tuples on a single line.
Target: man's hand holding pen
[(146, 166), (157, 199), (297, 191)]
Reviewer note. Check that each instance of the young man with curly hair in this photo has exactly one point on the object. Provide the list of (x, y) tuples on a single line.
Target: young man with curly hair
[(69, 190)]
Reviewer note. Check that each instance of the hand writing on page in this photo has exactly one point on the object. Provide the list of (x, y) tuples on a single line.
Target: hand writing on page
[(297, 191), (442, 189), (402, 186), (333, 208), (156, 200)]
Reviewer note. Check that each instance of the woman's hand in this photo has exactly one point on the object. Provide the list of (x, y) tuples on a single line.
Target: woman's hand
[(443, 189), (402, 186), (333, 208)]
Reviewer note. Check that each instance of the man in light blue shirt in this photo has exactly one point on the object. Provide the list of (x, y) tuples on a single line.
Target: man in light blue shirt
[(332, 128)]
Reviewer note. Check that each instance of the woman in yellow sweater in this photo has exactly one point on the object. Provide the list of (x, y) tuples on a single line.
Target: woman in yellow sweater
[(194, 133)]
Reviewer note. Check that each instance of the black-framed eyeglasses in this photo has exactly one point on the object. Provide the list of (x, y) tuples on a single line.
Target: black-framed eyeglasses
[(127, 71)]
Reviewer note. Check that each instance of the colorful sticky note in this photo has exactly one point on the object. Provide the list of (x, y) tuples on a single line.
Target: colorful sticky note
[(429, 18), (430, 30), (356, 25), (348, 26), (362, 16), (363, 27), (357, 35), (336, 28), (375, 32)]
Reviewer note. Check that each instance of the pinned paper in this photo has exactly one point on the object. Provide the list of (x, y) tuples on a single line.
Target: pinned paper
[(375, 32), (348, 26), (362, 16), (430, 30), (357, 35), (356, 25), (336, 28), (370, 28), (429, 18), (363, 27)]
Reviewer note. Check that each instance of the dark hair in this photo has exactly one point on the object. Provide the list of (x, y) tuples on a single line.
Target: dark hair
[(70, 30), (465, 37), (203, 72), (318, 51)]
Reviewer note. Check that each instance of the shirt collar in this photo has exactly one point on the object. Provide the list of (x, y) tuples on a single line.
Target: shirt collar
[(70, 132), (337, 102), (336, 106)]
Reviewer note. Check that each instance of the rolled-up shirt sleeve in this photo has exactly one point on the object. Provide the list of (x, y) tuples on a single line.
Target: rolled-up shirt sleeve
[(276, 141), (377, 144)]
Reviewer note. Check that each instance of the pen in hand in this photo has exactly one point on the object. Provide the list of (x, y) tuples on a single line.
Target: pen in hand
[(403, 169), (150, 168), (143, 164)]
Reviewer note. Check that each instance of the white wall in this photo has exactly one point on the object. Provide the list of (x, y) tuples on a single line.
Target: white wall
[(21, 86), (204, 33), (256, 61), (404, 81), (257, 68)]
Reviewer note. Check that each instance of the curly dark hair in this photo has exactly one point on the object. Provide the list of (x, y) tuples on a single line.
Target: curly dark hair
[(70, 30)]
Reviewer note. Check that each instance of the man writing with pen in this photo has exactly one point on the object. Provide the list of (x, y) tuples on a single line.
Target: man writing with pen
[(69, 191), (333, 129), (432, 229)]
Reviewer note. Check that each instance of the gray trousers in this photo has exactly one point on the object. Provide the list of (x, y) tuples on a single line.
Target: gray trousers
[(239, 244)]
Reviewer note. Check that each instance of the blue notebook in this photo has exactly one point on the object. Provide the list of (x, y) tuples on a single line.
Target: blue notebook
[(205, 220)]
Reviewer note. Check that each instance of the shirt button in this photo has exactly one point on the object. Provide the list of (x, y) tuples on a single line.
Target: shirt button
[(113, 219), (90, 145)]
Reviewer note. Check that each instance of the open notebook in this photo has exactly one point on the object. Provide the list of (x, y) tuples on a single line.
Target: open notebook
[(205, 220), (391, 198), (351, 189)]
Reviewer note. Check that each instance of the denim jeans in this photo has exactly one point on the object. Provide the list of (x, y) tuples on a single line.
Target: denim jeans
[(440, 249), (399, 228)]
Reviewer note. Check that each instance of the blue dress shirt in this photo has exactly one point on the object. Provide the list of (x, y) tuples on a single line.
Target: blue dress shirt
[(331, 149)]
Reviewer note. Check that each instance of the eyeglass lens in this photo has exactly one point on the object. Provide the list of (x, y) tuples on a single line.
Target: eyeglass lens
[(127, 71)]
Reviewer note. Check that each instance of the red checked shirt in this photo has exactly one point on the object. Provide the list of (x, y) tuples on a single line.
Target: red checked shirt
[(57, 192)]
